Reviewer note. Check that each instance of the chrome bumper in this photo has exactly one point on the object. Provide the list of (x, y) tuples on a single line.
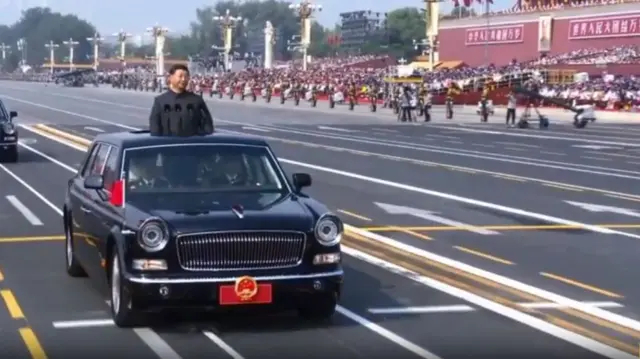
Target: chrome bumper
[(155, 280)]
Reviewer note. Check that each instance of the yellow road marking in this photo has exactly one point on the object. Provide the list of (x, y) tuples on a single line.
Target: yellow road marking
[(412, 233), (483, 255), (581, 285), (355, 215), (30, 239), (32, 343), (497, 227), (12, 304), (568, 188)]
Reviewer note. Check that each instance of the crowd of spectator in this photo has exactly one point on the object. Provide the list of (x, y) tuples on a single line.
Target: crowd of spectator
[(617, 55)]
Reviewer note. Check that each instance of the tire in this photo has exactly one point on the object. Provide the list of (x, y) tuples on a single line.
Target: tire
[(122, 312), (74, 269), (319, 308)]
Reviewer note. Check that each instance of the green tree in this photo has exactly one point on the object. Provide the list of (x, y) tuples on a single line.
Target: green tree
[(404, 26), (40, 25)]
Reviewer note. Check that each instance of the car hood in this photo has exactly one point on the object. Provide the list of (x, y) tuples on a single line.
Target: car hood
[(289, 214)]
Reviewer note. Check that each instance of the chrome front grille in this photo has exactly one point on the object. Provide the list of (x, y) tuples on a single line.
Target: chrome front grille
[(242, 250)]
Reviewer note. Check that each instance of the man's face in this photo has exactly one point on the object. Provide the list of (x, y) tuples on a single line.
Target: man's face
[(180, 79)]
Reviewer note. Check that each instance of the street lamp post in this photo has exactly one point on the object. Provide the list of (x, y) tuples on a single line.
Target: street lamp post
[(52, 54), (159, 34), (96, 40), (122, 37), (269, 41), (22, 47), (432, 18), (71, 44), (227, 23), (305, 10), (5, 49)]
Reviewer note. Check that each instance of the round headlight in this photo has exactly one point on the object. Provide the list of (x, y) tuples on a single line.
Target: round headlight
[(153, 235), (9, 128), (329, 230)]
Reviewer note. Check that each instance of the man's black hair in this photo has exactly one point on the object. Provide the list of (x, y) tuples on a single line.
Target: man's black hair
[(177, 67)]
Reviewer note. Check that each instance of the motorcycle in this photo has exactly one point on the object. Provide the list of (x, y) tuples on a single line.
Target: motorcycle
[(449, 108)]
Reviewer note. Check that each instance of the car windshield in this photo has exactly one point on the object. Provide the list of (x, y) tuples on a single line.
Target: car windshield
[(186, 170)]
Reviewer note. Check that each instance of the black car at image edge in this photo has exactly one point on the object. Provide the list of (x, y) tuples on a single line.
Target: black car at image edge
[(8, 135), (204, 222)]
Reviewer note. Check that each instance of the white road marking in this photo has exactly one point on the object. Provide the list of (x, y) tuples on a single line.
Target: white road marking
[(461, 308), (328, 128), (24, 210), (516, 149), (94, 129), (248, 128), (87, 323), (222, 344), (387, 334), (596, 158), (516, 144)]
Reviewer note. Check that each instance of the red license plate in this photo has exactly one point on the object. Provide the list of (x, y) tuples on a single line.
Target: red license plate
[(228, 296)]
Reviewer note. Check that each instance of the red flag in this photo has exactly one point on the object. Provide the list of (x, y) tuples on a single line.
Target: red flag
[(467, 3)]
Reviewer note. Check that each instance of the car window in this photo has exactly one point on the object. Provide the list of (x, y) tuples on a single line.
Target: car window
[(97, 166), (111, 171), (202, 168), (89, 161)]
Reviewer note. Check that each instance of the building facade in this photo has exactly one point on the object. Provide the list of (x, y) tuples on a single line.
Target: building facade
[(524, 37), (359, 27)]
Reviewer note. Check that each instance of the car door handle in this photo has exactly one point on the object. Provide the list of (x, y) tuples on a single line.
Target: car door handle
[(85, 209)]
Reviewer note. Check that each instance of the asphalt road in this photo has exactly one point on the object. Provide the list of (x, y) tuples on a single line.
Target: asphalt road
[(467, 239)]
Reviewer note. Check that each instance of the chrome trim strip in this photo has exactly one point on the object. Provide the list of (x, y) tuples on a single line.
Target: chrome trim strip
[(144, 280)]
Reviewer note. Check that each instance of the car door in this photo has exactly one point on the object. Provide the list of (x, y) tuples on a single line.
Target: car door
[(77, 202), (104, 214), (90, 215)]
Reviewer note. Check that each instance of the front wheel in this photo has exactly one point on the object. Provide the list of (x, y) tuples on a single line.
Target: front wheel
[(122, 311), (74, 269), (319, 308)]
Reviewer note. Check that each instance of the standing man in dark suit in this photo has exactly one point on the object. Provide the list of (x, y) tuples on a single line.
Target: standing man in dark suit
[(179, 112)]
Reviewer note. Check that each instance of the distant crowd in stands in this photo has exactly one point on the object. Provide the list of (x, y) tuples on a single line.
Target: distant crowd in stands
[(368, 70), (629, 54)]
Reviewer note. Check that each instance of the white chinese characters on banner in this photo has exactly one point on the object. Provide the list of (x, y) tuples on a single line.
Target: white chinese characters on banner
[(495, 35), (603, 27)]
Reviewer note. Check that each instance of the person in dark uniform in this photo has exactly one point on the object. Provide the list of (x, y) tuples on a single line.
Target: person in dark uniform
[(179, 112)]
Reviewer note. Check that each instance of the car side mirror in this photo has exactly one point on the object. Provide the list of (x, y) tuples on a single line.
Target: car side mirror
[(94, 182), (301, 180), (13, 114)]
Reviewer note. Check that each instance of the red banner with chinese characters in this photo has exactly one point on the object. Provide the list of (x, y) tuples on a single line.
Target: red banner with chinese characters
[(494, 35), (603, 27)]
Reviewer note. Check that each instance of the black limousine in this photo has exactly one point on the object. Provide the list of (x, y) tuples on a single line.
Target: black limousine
[(8, 135), (198, 223)]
